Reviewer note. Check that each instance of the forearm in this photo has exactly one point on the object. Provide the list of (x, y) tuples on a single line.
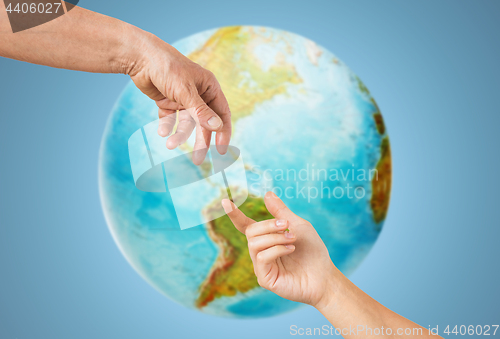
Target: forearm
[(86, 41), (79, 40), (349, 309)]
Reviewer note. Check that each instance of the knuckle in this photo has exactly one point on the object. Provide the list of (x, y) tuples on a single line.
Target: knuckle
[(259, 257), (251, 243), (263, 283), (280, 210), (189, 88), (202, 110), (210, 78), (181, 91), (210, 75), (250, 232)]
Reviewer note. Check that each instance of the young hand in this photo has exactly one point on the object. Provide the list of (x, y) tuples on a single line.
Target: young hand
[(294, 264)]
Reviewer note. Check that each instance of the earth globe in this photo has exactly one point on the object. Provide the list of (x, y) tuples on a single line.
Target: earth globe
[(307, 128)]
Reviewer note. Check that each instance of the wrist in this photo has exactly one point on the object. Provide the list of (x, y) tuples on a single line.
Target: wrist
[(337, 284), (131, 56)]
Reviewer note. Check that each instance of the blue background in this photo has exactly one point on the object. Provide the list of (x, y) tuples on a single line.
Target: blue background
[(431, 66)]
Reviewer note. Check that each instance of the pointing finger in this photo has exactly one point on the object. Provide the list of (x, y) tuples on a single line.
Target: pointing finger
[(239, 219), (184, 129), (166, 123)]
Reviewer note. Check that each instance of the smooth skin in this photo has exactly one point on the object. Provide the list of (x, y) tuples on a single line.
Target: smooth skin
[(295, 265), (83, 40)]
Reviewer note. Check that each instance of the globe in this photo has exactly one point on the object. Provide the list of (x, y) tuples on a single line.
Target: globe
[(307, 129)]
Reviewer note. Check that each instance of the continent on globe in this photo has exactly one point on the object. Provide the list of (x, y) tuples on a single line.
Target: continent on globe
[(232, 271), (381, 184), (242, 78)]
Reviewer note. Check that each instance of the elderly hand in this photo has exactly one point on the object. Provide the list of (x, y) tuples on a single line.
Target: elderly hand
[(178, 84)]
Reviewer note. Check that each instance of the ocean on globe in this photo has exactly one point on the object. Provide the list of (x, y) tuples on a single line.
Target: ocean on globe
[(307, 128)]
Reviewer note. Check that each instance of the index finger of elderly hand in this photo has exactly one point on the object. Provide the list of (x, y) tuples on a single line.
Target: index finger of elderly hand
[(221, 107), (239, 219), (183, 131), (266, 227), (166, 123)]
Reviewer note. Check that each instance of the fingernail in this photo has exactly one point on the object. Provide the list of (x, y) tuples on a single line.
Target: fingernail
[(214, 122), (290, 247), (289, 235), (280, 223)]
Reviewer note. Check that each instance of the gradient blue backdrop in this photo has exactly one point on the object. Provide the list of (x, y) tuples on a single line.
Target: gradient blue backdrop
[(433, 69)]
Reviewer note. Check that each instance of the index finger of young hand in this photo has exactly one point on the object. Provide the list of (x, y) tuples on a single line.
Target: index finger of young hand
[(239, 219)]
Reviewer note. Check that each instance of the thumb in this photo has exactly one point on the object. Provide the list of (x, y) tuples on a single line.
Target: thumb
[(203, 114), (277, 207)]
